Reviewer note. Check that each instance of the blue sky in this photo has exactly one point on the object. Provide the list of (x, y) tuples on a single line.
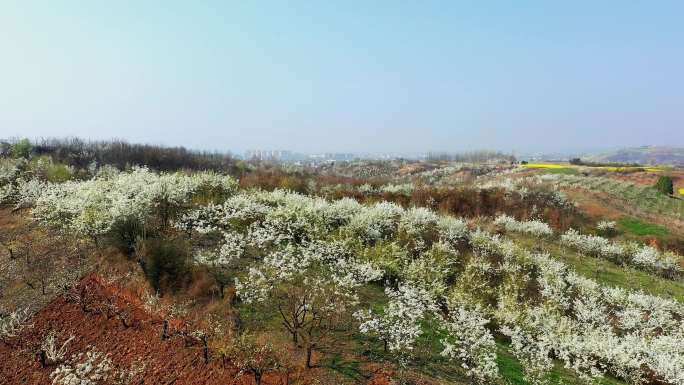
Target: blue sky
[(346, 76)]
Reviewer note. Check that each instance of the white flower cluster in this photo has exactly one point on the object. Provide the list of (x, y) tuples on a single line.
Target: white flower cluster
[(639, 256), (283, 217), (470, 342), (377, 222), (571, 317), (10, 179), (324, 266), (533, 227), (606, 226), (54, 353), (400, 323), (533, 352), (397, 189), (10, 169), (89, 368), (417, 225), (593, 329), (13, 323), (240, 208), (93, 206), (94, 367), (232, 247)]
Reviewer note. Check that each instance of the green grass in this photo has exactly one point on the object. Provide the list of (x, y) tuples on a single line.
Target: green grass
[(348, 368), (509, 367), (638, 227)]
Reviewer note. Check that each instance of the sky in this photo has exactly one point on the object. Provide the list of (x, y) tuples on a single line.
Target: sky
[(346, 76)]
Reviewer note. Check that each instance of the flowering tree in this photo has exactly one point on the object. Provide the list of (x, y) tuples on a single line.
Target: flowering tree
[(469, 342), (220, 262), (312, 295), (399, 325)]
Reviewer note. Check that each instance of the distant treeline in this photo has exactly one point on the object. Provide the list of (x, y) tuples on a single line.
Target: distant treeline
[(472, 157), (121, 154), (580, 162)]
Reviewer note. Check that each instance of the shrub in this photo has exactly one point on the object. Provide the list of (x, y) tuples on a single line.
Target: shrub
[(125, 233), (606, 228), (664, 185), (13, 323), (21, 149), (51, 352), (165, 262)]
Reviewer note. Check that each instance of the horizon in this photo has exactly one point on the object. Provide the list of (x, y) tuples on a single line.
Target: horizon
[(356, 77), (521, 155)]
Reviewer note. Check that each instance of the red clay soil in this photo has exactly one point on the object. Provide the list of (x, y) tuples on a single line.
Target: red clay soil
[(380, 379), (177, 360)]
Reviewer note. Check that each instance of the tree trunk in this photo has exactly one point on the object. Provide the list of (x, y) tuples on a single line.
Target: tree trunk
[(206, 350), (257, 377), (309, 350), (42, 357)]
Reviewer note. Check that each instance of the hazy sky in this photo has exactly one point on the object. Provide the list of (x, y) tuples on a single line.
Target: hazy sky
[(346, 76)]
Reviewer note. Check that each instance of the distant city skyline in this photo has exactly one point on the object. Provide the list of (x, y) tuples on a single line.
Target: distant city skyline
[(353, 76)]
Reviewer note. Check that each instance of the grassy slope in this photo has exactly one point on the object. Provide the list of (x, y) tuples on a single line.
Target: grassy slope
[(641, 228), (607, 272)]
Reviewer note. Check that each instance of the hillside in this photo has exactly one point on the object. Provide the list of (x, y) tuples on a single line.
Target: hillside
[(450, 274), (648, 155)]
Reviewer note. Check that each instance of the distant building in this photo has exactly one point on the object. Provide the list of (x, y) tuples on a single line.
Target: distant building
[(333, 156), (273, 155)]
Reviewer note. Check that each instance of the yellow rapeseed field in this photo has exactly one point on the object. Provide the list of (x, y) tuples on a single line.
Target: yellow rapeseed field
[(544, 165)]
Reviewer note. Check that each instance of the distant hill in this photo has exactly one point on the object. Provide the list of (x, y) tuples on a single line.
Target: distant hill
[(643, 155)]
